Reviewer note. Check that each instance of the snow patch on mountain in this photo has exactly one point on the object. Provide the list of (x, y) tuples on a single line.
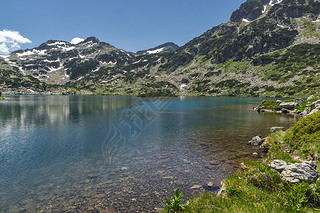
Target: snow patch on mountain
[(4, 56), (183, 86), (32, 52), (274, 2), (67, 48), (155, 51), (57, 43), (264, 9)]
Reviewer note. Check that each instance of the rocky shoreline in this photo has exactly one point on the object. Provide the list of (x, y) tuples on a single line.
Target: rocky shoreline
[(285, 179), (310, 107), (290, 107), (291, 172)]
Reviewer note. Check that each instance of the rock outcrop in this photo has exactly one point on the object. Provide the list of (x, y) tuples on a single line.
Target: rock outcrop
[(276, 128), (314, 107), (278, 165), (296, 172), (288, 105)]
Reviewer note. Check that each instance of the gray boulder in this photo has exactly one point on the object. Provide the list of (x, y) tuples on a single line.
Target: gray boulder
[(276, 128), (314, 107), (278, 165), (297, 172), (288, 105), (256, 141)]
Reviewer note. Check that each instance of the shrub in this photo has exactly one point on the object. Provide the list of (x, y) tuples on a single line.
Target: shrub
[(174, 204), (268, 180)]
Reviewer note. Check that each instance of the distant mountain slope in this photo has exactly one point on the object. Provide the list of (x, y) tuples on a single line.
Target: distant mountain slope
[(59, 62), (166, 47), (268, 47)]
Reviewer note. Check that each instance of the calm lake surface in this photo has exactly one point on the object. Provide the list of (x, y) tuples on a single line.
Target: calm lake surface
[(121, 154)]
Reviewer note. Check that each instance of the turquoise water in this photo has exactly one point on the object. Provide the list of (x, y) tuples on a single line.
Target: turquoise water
[(120, 154)]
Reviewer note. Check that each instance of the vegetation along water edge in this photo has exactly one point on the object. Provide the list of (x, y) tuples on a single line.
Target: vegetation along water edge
[(285, 179)]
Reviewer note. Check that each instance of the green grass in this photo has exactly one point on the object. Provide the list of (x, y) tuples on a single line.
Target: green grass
[(234, 67), (270, 104), (256, 188)]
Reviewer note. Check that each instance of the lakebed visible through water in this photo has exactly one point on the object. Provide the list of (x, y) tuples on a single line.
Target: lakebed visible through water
[(121, 153)]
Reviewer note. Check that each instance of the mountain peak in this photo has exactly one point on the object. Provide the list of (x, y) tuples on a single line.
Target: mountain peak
[(249, 10), (91, 39)]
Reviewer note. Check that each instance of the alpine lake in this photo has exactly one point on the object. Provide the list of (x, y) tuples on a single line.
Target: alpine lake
[(121, 153)]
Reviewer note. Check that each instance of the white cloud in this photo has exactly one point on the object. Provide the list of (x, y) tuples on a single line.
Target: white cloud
[(10, 41), (4, 49), (76, 40)]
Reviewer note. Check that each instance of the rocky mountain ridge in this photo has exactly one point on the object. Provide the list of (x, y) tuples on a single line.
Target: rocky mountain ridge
[(267, 48), (166, 47)]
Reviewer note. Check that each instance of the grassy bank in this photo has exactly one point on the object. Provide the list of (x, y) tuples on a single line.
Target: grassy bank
[(257, 188)]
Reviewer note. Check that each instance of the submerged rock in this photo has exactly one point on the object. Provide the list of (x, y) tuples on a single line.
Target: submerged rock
[(210, 184), (196, 187)]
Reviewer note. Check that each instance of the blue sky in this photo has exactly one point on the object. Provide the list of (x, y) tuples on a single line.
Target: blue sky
[(131, 25)]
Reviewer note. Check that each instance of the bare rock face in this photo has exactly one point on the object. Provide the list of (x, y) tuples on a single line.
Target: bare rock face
[(249, 10), (278, 165), (314, 107), (296, 172), (288, 105)]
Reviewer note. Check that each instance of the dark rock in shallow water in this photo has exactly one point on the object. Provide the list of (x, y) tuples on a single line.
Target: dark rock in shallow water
[(196, 187), (210, 184)]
